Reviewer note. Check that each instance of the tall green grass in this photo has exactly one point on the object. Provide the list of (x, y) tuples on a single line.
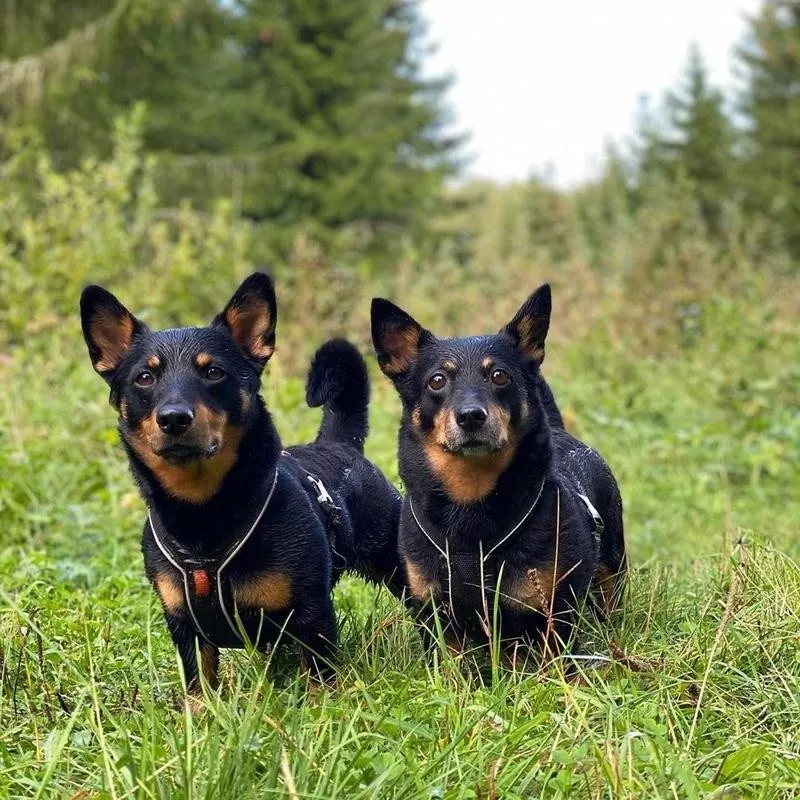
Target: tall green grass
[(673, 354)]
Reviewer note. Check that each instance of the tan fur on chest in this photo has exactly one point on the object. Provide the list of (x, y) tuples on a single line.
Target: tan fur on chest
[(199, 481), (531, 591), (170, 591), (420, 586), (467, 480), (270, 591)]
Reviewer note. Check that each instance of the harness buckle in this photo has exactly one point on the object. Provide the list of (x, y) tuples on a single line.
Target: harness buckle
[(323, 498)]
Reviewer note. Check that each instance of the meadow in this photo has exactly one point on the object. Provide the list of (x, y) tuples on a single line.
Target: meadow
[(677, 357)]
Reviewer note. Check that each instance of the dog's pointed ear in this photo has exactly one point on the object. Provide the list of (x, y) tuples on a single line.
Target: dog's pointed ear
[(529, 327), (108, 328), (397, 338), (251, 316)]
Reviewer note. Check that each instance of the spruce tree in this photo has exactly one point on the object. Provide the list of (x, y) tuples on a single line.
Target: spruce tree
[(770, 104), (330, 107), (701, 141)]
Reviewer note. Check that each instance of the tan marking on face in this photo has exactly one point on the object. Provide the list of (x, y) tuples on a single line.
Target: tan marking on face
[(532, 591), (249, 324), (421, 588), (112, 335), (246, 401), (416, 417), (170, 591), (468, 479), (123, 409), (271, 591), (202, 360), (499, 421), (487, 363), (199, 481), (153, 362), (402, 346), (449, 366)]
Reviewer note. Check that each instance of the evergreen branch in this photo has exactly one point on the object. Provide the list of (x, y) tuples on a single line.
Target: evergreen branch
[(22, 81)]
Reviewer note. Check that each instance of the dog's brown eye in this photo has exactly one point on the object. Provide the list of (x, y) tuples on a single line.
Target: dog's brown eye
[(437, 382), (145, 378), (500, 377), (215, 374)]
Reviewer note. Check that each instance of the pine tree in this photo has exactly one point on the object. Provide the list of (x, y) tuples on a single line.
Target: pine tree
[(770, 105)]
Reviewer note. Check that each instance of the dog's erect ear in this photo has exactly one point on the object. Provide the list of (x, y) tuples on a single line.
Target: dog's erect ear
[(108, 328), (397, 338), (529, 327), (251, 316)]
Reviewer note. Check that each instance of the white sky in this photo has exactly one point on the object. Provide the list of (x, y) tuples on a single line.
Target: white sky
[(548, 82)]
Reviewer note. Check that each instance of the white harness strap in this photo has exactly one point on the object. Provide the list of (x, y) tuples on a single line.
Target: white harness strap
[(498, 544), (219, 574)]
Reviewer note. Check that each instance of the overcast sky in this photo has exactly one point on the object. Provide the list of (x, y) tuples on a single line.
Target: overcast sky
[(547, 82)]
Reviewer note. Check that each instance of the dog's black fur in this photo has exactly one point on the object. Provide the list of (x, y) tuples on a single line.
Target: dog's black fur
[(480, 434), (203, 450)]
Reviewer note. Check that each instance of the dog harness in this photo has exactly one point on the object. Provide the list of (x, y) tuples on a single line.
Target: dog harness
[(598, 526), (206, 588)]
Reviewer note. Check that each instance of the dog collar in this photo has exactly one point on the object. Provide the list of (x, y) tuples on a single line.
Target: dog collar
[(209, 599)]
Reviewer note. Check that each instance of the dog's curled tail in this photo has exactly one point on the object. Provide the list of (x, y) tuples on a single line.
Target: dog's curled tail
[(338, 381)]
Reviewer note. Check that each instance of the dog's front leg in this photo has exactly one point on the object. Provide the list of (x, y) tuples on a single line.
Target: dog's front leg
[(314, 627), (190, 646)]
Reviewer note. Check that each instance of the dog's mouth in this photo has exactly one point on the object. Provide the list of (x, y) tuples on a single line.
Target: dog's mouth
[(473, 447), (182, 453)]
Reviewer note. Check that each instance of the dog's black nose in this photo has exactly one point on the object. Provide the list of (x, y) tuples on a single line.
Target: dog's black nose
[(470, 418), (174, 419)]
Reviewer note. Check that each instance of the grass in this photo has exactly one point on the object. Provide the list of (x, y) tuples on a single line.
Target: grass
[(696, 692)]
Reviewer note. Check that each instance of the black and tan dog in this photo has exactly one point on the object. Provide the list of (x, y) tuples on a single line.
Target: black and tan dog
[(508, 518), (243, 540)]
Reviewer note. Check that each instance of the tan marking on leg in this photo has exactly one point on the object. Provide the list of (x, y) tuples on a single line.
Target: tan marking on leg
[(609, 586), (456, 643), (199, 481), (170, 591), (421, 588), (271, 591), (209, 667)]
